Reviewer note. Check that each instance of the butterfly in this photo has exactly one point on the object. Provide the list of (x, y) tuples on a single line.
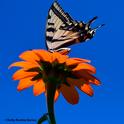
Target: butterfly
[(62, 31)]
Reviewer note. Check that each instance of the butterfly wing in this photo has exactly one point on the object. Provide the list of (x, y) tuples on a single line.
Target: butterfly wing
[(57, 19), (60, 28)]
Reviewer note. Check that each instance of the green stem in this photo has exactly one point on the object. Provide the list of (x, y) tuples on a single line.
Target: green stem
[(50, 101)]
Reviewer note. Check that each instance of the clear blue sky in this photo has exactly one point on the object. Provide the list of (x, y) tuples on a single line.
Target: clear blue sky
[(22, 27)]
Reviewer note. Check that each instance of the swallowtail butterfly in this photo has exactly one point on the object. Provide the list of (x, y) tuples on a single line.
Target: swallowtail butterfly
[(62, 31)]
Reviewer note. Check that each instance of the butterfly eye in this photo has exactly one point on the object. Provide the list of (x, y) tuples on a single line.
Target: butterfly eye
[(91, 32)]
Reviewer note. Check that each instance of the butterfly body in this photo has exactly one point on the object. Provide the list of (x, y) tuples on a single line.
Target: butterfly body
[(62, 31)]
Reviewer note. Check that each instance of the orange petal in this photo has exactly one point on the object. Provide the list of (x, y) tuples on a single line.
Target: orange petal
[(24, 64), (56, 95), (60, 58), (75, 61), (20, 74), (88, 77), (71, 61), (39, 88), (64, 52), (82, 85), (85, 66), (29, 56), (72, 81), (44, 55), (70, 93), (25, 83), (81, 60), (86, 88)]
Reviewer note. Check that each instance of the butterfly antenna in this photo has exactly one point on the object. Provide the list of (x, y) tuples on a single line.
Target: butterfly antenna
[(92, 20), (98, 27)]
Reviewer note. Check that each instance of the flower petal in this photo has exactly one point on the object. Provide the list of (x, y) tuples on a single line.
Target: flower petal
[(86, 88), (39, 88), (75, 61), (25, 83), (82, 85), (85, 66), (56, 56), (72, 81), (70, 93), (24, 64), (43, 55), (57, 93), (29, 56), (64, 52), (82, 60), (87, 76), (20, 74)]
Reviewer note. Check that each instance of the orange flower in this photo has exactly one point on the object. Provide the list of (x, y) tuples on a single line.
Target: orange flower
[(40, 67)]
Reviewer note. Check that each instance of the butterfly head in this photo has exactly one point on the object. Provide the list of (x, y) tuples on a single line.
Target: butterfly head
[(89, 33)]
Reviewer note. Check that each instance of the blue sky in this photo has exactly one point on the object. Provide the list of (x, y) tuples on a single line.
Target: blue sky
[(22, 27)]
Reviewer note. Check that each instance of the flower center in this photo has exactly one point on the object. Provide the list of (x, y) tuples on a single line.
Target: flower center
[(55, 72), (52, 72)]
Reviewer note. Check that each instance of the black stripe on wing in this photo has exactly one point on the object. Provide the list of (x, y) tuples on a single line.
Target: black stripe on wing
[(65, 17), (50, 29), (48, 38)]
